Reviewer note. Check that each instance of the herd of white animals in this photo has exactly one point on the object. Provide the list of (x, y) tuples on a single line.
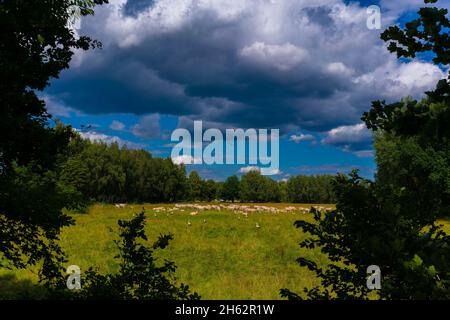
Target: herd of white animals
[(239, 209), (245, 210)]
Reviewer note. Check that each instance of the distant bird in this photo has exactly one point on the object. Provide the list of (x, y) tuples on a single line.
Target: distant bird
[(86, 127), (258, 226)]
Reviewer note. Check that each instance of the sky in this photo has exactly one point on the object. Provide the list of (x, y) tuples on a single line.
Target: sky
[(307, 68)]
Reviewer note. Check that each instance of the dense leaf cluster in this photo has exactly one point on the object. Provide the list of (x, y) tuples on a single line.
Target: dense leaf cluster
[(36, 44)]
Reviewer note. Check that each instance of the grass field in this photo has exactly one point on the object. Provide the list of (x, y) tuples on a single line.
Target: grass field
[(221, 254)]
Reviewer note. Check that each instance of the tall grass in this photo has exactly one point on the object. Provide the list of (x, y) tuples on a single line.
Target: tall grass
[(219, 255)]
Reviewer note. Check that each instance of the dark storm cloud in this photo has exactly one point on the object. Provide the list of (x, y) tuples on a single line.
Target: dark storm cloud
[(320, 15), (134, 7), (283, 64)]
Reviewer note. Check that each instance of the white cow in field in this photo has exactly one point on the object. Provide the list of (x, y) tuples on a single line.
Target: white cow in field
[(120, 205)]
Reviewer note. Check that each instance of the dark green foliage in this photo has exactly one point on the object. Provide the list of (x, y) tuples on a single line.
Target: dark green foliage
[(230, 189), (39, 176), (374, 224), (199, 189), (429, 118), (196, 187), (422, 168), (310, 189), (35, 45), (298, 189), (149, 179), (258, 188), (73, 180), (31, 203), (414, 140), (108, 173), (141, 275), (392, 222), (210, 192), (427, 33), (284, 196)]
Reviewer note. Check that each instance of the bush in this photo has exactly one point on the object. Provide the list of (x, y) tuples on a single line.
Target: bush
[(140, 275)]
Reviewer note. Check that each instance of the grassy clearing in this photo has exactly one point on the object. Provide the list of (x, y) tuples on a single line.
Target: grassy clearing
[(225, 257), (222, 258)]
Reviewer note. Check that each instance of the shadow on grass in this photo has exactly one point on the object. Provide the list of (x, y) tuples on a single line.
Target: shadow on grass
[(12, 288)]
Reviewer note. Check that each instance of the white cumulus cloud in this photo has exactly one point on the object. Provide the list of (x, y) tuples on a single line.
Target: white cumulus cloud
[(101, 137), (117, 125), (268, 171), (282, 57), (302, 137), (184, 159), (347, 134), (249, 169)]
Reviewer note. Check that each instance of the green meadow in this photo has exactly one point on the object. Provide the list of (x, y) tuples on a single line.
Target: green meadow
[(220, 254)]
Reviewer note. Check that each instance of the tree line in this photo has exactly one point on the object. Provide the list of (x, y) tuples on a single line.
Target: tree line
[(96, 171)]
